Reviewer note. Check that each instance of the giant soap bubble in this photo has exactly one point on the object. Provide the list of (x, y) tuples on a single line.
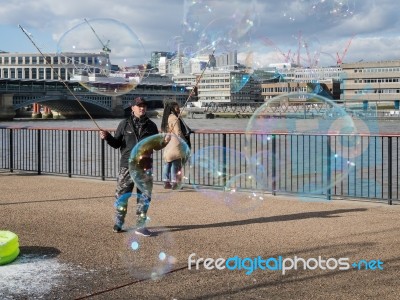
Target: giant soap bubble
[(141, 160), (311, 143), (220, 174), (104, 55), (244, 192), (209, 27), (328, 11)]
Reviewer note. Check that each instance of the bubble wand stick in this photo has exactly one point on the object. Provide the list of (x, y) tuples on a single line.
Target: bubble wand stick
[(196, 84), (192, 91), (58, 75)]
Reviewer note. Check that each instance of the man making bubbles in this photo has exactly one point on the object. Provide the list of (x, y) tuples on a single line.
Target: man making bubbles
[(129, 132)]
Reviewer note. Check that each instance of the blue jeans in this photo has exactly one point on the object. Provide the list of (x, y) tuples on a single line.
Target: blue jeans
[(173, 171)]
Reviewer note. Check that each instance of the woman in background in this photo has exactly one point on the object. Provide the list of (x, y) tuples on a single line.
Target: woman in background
[(174, 154)]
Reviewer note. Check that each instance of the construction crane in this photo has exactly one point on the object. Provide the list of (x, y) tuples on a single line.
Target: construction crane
[(299, 39), (106, 49), (329, 54), (287, 57), (311, 60), (340, 59)]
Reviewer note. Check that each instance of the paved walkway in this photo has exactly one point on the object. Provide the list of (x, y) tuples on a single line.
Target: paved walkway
[(68, 249)]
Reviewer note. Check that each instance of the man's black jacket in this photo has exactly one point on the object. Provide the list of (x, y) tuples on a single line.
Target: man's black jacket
[(128, 135)]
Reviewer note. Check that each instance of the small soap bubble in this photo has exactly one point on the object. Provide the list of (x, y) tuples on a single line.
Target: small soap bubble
[(244, 192), (148, 257)]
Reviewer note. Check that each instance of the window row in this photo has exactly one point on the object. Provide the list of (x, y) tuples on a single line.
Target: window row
[(377, 70), (377, 91), (214, 80), (374, 80), (34, 73), (54, 60), (284, 89)]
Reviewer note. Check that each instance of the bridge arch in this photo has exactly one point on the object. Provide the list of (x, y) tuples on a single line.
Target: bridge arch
[(67, 105)]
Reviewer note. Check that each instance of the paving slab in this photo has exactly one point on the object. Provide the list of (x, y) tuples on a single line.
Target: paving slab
[(68, 249)]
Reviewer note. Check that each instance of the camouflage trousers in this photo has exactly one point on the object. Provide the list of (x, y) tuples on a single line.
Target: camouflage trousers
[(123, 192)]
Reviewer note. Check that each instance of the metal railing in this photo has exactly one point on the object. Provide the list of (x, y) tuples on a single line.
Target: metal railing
[(334, 165)]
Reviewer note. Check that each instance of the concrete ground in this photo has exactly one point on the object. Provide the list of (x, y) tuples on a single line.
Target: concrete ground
[(68, 221)]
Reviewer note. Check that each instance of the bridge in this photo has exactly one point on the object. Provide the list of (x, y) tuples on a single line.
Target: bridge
[(293, 108), (17, 95)]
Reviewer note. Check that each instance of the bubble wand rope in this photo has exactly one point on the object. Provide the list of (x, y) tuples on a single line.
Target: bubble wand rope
[(192, 91), (58, 75)]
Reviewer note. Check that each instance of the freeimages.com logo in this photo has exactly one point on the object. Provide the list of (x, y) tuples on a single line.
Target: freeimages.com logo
[(251, 264)]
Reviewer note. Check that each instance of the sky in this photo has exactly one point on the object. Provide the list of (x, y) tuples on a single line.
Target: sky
[(307, 32)]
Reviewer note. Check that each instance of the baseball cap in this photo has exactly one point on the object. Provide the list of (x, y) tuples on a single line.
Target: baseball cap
[(138, 101)]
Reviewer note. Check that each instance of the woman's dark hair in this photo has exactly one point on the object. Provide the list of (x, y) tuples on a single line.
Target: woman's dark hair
[(169, 108)]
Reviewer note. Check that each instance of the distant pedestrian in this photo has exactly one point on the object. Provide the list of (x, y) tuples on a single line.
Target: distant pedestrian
[(174, 155), (129, 132)]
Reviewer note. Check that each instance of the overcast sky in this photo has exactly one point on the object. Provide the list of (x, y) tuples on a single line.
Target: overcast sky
[(263, 31)]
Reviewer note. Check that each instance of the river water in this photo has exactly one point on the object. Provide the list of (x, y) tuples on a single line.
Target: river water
[(286, 125), (368, 179), (217, 124)]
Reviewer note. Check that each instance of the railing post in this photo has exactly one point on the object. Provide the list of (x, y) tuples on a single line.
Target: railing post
[(39, 152), (11, 148), (274, 164), (328, 169), (103, 160), (224, 159), (390, 170), (69, 154), (189, 162)]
